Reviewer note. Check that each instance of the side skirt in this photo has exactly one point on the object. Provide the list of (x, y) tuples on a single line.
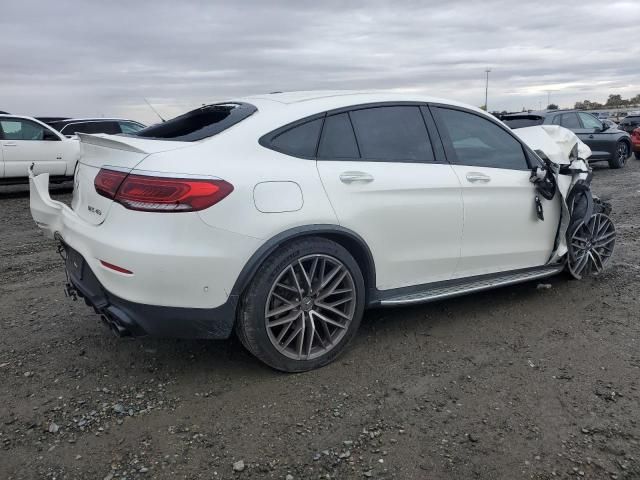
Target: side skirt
[(453, 288)]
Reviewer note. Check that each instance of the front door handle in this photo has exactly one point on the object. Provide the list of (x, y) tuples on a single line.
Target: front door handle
[(476, 177), (350, 177), (10, 144), (590, 136)]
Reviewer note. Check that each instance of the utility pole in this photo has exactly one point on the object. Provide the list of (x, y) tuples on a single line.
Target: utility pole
[(548, 98), (486, 90)]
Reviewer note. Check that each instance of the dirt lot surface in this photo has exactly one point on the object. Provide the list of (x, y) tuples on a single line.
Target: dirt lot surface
[(519, 382)]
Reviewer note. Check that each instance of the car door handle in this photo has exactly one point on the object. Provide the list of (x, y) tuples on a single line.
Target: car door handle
[(590, 136), (476, 177), (350, 177), (10, 144)]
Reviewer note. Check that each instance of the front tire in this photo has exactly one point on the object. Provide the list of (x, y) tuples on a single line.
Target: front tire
[(303, 306), (620, 155)]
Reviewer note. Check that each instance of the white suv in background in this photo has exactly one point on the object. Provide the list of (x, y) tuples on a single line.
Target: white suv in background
[(25, 141)]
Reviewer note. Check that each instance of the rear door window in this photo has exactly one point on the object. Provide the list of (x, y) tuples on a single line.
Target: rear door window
[(338, 139), (477, 141), (393, 133), (299, 141), (570, 120)]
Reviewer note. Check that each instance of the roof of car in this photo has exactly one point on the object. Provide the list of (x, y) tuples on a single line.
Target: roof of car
[(292, 105)]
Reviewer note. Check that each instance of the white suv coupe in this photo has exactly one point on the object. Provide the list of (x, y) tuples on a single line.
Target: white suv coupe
[(25, 141), (284, 216)]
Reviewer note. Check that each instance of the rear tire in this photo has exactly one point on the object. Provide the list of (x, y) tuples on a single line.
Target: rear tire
[(620, 155), (303, 306)]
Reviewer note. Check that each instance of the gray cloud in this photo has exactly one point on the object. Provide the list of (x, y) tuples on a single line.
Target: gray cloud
[(101, 58)]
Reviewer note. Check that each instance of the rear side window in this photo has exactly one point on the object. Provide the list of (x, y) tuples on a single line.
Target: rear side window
[(338, 139), (394, 133), (200, 123), (570, 120), (111, 128), (130, 127), (523, 122), (299, 141), (479, 142)]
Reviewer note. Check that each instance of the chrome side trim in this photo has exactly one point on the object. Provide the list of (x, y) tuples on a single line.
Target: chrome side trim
[(438, 293)]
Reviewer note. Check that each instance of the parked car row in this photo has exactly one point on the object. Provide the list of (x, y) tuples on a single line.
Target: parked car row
[(607, 144), (49, 143)]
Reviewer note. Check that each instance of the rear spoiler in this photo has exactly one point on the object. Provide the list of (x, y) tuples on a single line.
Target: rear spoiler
[(108, 142)]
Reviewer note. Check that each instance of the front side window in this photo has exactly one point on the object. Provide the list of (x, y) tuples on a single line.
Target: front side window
[(338, 139), (394, 133), (130, 127), (590, 122), (479, 142), (299, 141), (570, 120), (17, 129)]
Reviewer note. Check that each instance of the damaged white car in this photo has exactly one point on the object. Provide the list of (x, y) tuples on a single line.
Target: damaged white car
[(283, 216)]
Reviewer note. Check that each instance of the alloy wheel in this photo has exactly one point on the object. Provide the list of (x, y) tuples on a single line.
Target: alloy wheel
[(623, 152), (591, 245), (310, 306)]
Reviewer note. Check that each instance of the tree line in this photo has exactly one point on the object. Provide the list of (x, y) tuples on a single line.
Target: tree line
[(614, 101)]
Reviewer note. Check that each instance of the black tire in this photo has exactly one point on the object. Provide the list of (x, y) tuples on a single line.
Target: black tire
[(620, 155), (251, 325)]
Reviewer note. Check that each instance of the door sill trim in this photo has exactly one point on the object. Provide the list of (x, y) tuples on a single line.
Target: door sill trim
[(442, 290)]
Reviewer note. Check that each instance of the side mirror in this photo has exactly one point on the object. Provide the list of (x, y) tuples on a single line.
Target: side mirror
[(48, 135), (604, 127)]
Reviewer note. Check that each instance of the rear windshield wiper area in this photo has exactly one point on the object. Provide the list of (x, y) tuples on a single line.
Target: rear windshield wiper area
[(200, 123)]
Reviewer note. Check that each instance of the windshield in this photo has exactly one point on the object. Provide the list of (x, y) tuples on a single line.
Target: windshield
[(200, 123)]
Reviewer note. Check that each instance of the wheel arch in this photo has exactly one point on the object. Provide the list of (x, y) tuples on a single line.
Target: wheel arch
[(350, 240)]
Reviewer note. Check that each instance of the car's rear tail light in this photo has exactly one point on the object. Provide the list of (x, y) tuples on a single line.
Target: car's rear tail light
[(161, 194), (107, 182)]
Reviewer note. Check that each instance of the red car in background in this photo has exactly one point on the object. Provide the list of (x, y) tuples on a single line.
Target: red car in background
[(635, 142)]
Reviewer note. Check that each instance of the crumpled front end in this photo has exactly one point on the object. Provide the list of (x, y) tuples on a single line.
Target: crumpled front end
[(586, 235)]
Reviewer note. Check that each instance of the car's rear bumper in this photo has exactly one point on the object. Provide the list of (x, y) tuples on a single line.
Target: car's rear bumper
[(135, 319), (173, 260)]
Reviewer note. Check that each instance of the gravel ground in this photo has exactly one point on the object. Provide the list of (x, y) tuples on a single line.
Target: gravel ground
[(519, 382)]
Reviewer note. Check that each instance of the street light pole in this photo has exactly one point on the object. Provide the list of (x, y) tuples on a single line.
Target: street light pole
[(486, 90)]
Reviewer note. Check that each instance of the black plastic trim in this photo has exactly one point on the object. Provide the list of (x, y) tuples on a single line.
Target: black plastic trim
[(382, 295), (141, 319), (328, 230)]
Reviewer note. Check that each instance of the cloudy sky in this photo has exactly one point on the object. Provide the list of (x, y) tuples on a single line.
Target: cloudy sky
[(102, 58)]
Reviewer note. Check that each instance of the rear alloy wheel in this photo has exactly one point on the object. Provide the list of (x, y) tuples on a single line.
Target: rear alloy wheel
[(303, 306), (591, 246), (620, 155)]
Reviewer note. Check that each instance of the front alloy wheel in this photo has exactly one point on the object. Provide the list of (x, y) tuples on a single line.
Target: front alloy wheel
[(591, 246)]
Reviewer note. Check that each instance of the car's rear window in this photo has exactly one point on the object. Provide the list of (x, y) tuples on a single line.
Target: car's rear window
[(200, 123), (522, 122)]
